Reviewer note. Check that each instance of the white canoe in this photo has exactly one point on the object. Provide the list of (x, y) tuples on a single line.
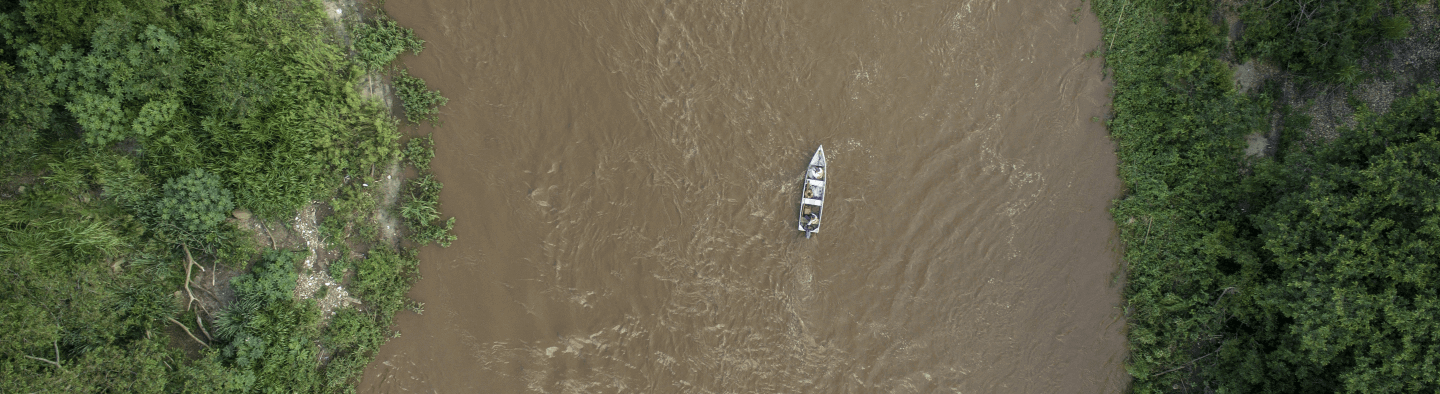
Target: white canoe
[(812, 193)]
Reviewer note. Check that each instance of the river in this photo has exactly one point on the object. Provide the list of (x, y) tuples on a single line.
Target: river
[(625, 174)]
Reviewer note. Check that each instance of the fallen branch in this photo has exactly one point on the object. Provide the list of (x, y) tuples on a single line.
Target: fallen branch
[(202, 328), (267, 232), (57, 365), (187, 331), (1227, 290), (1186, 364), (191, 259), (210, 293), (1149, 221), (1119, 23), (187, 279)]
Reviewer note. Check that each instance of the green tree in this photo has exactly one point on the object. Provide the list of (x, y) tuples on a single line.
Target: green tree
[(1351, 302)]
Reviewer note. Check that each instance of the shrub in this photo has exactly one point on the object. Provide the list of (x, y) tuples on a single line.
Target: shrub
[(383, 278), (419, 151), (421, 210), (1319, 40), (378, 44), (421, 104), (270, 335), (194, 203)]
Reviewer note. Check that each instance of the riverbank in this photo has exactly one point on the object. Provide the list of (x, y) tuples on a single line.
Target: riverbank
[(1279, 195), (207, 197)]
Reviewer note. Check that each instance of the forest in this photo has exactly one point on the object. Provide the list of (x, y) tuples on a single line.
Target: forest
[(152, 151), (1308, 265)]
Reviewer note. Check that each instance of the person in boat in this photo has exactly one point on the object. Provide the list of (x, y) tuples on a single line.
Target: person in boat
[(812, 221), (816, 192), (817, 172)]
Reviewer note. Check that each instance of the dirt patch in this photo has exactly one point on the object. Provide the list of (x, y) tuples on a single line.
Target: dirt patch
[(390, 185), (1256, 144), (1249, 75), (17, 186), (314, 274)]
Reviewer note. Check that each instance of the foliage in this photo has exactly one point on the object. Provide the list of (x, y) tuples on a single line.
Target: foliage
[(376, 45), (1347, 298), (135, 126), (1307, 272), (194, 203), (421, 104), (71, 298), (383, 277), (421, 210), (419, 151), (353, 216), (123, 179), (1321, 40), (25, 111), (270, 335)]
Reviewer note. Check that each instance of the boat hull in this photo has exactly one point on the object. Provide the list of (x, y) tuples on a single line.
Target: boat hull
[(812, 197)]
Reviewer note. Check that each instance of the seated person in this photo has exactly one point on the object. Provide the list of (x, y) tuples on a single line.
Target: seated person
[(811, 221), (815, 192)]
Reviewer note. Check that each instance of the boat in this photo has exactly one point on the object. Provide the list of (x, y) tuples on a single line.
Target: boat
[(812, 198)]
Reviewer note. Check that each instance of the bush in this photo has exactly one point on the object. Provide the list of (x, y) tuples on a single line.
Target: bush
[(194, 203), (383, 278), (378, 44), (1322, 40), (419, 151), (421, 210), (269, 335), (421, 104)]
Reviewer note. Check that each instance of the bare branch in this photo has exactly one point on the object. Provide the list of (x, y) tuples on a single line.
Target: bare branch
[(187, 331), (1186, 364), (57, 365), (202, 328)]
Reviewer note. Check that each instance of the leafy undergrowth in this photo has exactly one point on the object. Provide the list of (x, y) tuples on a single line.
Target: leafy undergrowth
[(1312, 270), (421, 104), (129, 130)]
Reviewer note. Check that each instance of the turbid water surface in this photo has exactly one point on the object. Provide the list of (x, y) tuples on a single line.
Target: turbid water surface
[(625, 175)]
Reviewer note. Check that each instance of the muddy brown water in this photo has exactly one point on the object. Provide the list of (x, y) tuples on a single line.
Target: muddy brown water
[(625, 175)]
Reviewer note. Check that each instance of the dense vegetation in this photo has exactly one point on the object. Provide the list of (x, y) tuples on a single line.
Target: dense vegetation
[(129, 132), (1320, 40), (1312, 270)]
